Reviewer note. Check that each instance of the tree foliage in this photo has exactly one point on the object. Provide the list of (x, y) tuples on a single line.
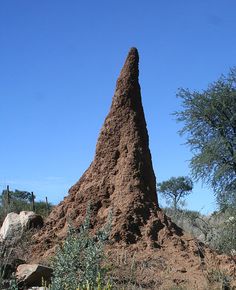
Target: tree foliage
[(209, 119), (175, 189)]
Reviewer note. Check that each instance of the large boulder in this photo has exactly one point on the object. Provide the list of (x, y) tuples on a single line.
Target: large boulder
[(15, 224), (29, 275)]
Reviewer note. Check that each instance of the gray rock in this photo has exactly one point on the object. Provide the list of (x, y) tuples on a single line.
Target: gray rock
[(29, 275), (15, 224)]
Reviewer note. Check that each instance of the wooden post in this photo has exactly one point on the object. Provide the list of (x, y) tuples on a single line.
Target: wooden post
[(32, 202), (8, 199), (47, 207)]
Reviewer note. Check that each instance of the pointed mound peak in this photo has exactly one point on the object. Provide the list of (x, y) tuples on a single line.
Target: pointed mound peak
[(129, 74), (133, 51), (125, 129), (133, 56), (130, 68)]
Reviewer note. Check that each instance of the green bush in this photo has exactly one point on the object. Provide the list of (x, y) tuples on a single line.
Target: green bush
[(217, 230), (226, 241), (78, 262), (5, 256)]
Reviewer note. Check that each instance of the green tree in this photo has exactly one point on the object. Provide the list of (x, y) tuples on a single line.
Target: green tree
[(209, 119), (175, 189)]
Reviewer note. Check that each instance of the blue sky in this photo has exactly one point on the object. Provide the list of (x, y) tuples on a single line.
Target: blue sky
[(59, 61)]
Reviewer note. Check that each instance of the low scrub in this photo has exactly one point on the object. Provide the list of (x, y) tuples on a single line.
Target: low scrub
[(217, 230), (78, 261)]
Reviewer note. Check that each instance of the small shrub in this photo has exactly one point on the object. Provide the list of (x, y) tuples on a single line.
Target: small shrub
[(217, 230), (6, 278), (13, 284), (78, 262), (226, 241), (4, 256), (218, 276)]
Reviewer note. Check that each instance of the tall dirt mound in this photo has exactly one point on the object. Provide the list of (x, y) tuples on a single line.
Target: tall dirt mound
[(121, 179)]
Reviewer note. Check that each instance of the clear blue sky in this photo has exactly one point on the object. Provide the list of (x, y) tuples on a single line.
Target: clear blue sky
[(59, 61)]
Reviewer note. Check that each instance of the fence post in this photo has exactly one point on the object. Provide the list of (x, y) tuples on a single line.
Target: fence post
[(8, 199), (47, 207), (32, 202)]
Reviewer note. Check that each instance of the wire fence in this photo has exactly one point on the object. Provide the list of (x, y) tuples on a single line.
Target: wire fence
[(8, 199)]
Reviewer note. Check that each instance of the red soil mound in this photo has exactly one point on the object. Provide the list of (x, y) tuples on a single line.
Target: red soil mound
[(121, 179)]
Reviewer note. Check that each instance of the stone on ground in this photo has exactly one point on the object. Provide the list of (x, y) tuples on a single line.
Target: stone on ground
[(29, 275), (15, 225)]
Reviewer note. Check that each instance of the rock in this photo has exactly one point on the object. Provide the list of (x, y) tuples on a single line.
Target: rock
[(35, 221), (15, 224), (29, 275)]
